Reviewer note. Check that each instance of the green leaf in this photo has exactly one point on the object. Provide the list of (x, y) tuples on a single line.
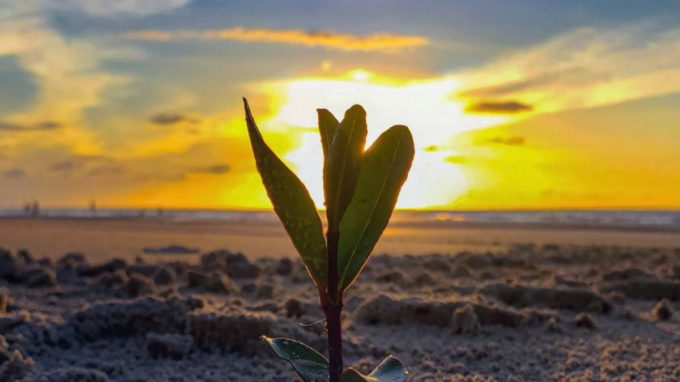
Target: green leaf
[(328, 124), (384, 170), (341, 170), (292, 204), (351, 375), (308, 363), (389, 370)]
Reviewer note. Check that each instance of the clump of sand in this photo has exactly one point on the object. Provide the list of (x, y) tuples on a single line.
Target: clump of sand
[(528, 313)]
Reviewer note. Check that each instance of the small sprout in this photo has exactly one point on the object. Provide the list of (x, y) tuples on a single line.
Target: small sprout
[(361, 190)]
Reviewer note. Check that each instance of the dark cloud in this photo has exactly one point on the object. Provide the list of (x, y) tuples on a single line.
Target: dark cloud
[(499, 107), (106, 169), (168, 118), (93, 164), (46, 125), (67, 165), (14, 173), (508, 141), (216, 169)]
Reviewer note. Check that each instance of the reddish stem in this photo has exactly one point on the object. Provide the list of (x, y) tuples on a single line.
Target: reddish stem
[(333, 309)]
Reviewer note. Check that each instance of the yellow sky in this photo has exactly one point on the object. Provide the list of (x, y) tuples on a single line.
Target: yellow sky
[(146, 112), (464, 159)]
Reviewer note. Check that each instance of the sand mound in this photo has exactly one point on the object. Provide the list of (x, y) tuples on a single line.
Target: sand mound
[(121, 319), (236, 265), (14, 366), (174, 346), (385, 310), (645, 288), (235, 332), (662, 311), (556, 298)]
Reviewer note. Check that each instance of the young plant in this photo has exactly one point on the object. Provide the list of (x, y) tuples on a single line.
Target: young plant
[(361, 189)]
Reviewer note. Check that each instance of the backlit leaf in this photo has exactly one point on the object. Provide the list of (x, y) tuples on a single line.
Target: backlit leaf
[(389, 370), (384, 169), (328, 124), (341, 170), (309, 364), (292, 204)]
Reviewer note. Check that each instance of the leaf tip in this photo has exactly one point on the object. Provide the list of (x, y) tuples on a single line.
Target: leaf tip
[(246, 107), (356, 108), (406, 132), (402, 128)]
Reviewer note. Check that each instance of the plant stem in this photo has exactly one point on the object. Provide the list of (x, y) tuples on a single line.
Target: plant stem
[(333, 308)]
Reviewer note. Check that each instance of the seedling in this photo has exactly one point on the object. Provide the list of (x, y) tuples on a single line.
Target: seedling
[(361, 189)]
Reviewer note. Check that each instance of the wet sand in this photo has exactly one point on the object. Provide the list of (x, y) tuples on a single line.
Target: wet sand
[(103, 239)]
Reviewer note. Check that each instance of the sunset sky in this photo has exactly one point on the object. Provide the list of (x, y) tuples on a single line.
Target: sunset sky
[(512, 104)]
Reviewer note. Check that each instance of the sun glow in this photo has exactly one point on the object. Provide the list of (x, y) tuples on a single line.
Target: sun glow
[(428, 107)]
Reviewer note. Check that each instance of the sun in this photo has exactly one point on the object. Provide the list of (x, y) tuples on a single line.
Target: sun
[(428, 107)]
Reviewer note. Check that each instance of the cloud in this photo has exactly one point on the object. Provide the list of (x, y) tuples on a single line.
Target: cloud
[(98, 8), (507, 141), (327, 39), (104, 169), (88, 164), (126, 7), (506, 88), (67, 165), (456, 159), (583, 68), (498, 107), (167, 118), (171, 118), (47, 125), (69, 77), (216, 169), (14, 173)]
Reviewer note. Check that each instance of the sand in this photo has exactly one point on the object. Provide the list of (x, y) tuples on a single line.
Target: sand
[(107, 238), (471, 304)]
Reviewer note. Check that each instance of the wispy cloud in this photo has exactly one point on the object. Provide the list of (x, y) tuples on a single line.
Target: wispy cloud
[(87, 164), (69, 80), (507, 141), (456, 159), (327, 39), (498, 107), (14, 173), (216, 169), (167, 118), (127, 7), (40, 126), (586, 67)]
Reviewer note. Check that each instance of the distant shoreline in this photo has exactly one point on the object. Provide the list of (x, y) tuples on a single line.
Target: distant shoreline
[(624, 227)]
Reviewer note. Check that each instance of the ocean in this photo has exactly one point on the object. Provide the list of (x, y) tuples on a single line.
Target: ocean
[(652, 219)]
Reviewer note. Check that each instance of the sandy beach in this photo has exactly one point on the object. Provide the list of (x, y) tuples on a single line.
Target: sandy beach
[(415, 191), (106, 238), (81, 300)]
